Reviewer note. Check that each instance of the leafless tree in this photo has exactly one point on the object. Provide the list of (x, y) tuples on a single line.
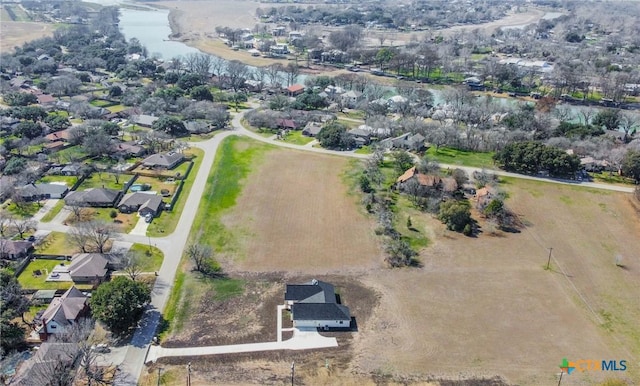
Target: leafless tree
[(91, 235), (6, 218), (200, 255), (628, 123), (291, 71), (22, 226), (273, 74), (198, 63), (131, 264)]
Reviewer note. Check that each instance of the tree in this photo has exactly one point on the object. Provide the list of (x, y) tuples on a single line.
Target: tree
[(64, 85), (236, 74), (631, 164), (57, 122), (399, 253), (203, 260), (27, 129), (201, 93), (12, 305), (19, 98), (402, 160), (23, 226), (333, 136), (189, 81), (15, 165), (131, 264), (91, 236), (609, 119), (455, 214), (115, 91), (120, 303), (171, 125)]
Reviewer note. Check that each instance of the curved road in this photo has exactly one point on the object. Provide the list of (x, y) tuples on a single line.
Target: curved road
[(174, 244)]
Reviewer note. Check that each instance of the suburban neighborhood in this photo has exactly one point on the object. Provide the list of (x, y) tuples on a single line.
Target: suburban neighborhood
[(342, 193)]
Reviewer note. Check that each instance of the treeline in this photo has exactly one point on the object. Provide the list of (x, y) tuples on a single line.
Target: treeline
[(534, 157)]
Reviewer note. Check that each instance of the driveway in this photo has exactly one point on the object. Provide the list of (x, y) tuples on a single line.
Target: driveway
[(301, 340), (141, 227)]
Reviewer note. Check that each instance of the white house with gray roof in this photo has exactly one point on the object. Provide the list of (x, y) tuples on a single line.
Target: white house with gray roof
[(314, 305)]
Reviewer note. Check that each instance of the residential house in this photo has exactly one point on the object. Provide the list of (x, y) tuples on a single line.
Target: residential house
[(36, 192), (71, 170), (129, 149), (295, 90), (45, 99), (95, 197), (163, 160), (14, 249), (63, 312), (253, 85), (50, 355), (424, 183), (407, 141), (362, 137), (286, 124), (312, 129), (144, 120), (351, 98), (143, 203), (62, 135), (279, 49), (88, 268), (314, 305)]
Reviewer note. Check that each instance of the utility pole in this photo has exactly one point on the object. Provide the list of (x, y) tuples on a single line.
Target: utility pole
[(293, 369), (159, 369), (189, 374), (549, 259)]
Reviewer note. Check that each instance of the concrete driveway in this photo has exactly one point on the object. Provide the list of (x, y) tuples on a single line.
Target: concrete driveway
[(301, 340)]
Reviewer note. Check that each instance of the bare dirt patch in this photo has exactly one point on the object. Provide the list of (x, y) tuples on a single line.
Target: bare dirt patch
[(295, 215), (16, 33), (250, 318)]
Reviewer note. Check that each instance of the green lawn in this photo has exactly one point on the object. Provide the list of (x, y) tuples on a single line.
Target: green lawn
[(55, 244), (24, 210), (29, 280), (53, 212), (611, 178), (451, 156), (68, 180), (125, 221), (167, 221), (70, 154), (296, 137), (364, 150), (151, 257), (103, 180), (116, 108), (202, 137)]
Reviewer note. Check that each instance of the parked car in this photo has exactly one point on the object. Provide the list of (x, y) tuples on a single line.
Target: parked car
[(101, 348), (148, 218)]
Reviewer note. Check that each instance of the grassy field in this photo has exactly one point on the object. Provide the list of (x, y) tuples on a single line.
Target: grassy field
[(451, 156), (68, 180), (167, 221), (70, 154)]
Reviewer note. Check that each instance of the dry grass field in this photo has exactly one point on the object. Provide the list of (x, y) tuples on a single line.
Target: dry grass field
[(481, 307), (14, 33), (305, 221)]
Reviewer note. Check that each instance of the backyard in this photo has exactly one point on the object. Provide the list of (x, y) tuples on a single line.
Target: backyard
[(447, 155), (35, 274), (168, 220)]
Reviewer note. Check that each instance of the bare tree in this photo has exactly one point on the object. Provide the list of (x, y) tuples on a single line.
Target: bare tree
[(131, 264), (6, 218), (273, 74), (236, 74), (198, 63), (22, 226), (202, 258), (291, 71), (91, 235)]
